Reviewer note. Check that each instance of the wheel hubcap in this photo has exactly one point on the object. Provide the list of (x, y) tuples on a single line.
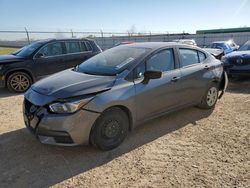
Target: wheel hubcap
[(212, 96), (20, 83), (111, 129)]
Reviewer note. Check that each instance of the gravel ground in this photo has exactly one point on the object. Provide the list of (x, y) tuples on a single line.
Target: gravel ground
[(190, 148)]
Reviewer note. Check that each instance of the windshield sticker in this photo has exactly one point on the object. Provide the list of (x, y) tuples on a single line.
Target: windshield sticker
[(130, 59)]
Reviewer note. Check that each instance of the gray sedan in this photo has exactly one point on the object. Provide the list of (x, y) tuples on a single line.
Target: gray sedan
[(101, 100)]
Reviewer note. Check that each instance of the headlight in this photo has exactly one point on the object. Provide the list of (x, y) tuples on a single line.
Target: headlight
[(69, 107), (224, 60)]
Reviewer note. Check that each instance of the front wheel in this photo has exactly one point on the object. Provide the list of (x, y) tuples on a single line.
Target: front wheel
[(19, 82), (110, 129), (210, 98)]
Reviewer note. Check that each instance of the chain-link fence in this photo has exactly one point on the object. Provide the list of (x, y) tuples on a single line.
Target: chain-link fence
[(105, 40)]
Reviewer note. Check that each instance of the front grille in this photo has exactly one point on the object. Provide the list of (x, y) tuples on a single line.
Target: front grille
[(33, 114), (239, 62)]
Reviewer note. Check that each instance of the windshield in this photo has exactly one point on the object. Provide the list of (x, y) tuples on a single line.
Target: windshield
[(27, 50), (112, 61), (245, 47)]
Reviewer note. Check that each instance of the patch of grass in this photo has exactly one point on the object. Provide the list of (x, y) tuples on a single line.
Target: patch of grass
[(4, 50)]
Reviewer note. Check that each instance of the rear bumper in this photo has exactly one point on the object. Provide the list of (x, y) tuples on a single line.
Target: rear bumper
[(59, 129), (223, 84)]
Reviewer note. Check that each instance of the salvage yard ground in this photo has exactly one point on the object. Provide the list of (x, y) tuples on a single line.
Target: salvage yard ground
[(192, 147), (4, 50)]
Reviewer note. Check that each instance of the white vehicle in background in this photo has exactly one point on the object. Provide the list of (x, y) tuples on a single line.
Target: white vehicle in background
[(186, 41)]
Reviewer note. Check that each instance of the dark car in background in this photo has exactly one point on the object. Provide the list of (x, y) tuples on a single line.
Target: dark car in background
[(42, 58), (224, 45), (238, 62), (99, 101)]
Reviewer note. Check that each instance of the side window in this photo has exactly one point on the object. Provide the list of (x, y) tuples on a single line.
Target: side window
[(188, 57), (52, 49), (88, 45), (162, 61), (84, 48), (72, 47), (202, 56)]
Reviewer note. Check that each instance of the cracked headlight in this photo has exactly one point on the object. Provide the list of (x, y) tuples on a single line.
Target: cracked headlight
[(69, 107)]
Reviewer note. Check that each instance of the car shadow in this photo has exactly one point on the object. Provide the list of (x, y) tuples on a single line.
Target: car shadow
[(5, 93), (27, 163), (240, 84)]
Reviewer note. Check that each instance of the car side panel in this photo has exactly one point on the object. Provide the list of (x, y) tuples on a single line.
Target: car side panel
[(157, 95), (122, 94)]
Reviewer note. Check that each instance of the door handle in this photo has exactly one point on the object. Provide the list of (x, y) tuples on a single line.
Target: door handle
[(174, 79)]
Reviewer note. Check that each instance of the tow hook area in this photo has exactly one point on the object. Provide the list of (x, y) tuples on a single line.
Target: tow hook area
[(223, 85)]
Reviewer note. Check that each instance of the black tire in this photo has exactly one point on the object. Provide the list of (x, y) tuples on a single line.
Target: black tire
[(210, 98), (110, 129), (19, 82)]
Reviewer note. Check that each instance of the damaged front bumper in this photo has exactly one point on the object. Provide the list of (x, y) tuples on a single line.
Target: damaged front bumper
[(59, 129)]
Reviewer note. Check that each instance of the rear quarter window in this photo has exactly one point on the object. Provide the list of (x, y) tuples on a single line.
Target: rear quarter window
[(84, 47), (88, 45)]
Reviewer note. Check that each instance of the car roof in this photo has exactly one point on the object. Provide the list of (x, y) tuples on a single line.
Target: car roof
[(61, 39), (156, 45)]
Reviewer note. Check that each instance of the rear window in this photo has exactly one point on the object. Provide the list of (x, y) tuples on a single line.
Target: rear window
[(72, 47)]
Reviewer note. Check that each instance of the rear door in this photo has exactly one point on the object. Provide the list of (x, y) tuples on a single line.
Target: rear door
[(161, 94), (49, 59), (194, 76), (77, 52)]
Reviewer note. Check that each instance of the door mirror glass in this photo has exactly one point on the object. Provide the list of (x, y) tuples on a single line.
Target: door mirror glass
[(151, 75)]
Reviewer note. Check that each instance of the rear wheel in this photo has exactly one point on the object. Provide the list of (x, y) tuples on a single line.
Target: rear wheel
[(110, 129), (19, 82), (210, 98)]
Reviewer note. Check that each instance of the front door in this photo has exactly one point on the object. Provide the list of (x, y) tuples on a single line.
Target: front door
[(161, 94), (49, 60)]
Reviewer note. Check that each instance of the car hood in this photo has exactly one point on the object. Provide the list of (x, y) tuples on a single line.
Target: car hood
[(67, 84), (10, 59), (239, 54)]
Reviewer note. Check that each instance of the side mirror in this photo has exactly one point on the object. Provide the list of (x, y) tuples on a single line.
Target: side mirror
[(151, 75), (39, 55)]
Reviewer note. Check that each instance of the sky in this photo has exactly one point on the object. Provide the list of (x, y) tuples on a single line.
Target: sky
[(157, 16)]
